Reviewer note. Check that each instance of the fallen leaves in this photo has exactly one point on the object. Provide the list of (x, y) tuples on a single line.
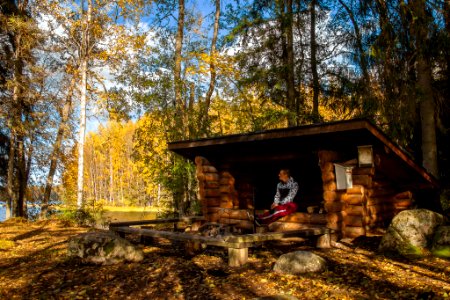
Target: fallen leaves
[(36, 266)]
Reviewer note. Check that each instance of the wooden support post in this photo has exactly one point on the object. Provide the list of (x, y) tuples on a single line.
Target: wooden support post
[(324, 241), (237, 257)]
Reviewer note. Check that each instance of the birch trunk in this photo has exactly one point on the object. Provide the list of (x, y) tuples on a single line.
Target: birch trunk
[(83, 91)]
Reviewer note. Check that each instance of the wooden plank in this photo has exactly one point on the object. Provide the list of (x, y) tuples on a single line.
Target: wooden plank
[(237, 257), (268, 236), (157, 221), (181, 236)]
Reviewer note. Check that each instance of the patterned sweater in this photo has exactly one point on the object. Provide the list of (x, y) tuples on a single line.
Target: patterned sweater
[(286, 192)]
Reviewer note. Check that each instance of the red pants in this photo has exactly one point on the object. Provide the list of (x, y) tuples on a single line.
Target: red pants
[(276, 213)]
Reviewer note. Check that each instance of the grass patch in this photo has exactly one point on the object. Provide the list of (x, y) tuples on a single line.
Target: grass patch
[(442, 252), (129, 209)]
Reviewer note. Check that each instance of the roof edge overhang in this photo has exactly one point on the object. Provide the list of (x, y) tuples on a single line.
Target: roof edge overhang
[(308, 130)]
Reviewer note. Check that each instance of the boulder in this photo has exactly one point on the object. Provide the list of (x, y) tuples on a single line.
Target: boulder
[(299, 262), (411, 232), (441, 241), (102, 247)]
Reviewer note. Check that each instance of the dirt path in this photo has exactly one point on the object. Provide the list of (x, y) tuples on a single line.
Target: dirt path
[(34, 265)]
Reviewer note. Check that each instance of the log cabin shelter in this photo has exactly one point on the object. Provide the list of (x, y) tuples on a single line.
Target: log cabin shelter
[(352, 178)]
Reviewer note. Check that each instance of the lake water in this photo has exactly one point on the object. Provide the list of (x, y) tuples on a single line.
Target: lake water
[(2, 213), (113, 216), (118, 216)]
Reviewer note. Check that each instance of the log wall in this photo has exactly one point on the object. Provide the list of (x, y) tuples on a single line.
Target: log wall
[(220, 199), (372, 201)]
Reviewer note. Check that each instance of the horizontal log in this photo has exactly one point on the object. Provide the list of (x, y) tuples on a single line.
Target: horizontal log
[(226, 204), (213, 202), (353, 232), (317, 219), (354, 210), (209, 169), (226, 174), (364, 180), (240, 214), (226, 189), (378, 200), (356, 189), (182, 236), (213, 209), (327, 167), (328, 176), (339, 226), (402, 203), (212, 193), (329, 186), (213, 217), (211, 176), (328, 156), (355, 221), (335, 217), (245, 224), (156, 221), (212, 184), (352, 199), (334, 206), (380, 192), (331, 196), (374, 209), (299, 217), (363, 171), (226, 181), (199, 160), (381, 183), (404, 195), (228, 221), (286, 226), (227, 197)]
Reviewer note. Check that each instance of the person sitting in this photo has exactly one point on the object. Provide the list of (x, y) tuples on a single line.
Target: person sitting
[(283, 203)]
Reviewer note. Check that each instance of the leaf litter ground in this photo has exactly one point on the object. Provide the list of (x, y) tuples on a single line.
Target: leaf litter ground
[(34, 265)]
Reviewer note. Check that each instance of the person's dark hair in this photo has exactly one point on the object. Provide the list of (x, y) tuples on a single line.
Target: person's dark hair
[(286, 171)]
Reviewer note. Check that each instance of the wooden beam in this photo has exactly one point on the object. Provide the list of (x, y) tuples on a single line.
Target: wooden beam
[(181, 236), (230, 241), (237, 257), (157, 221)]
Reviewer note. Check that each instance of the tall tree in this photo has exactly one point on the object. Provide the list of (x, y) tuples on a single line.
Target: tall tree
[(420, 31), (19, 36), (203, 118), (315, 75), (180, 104)]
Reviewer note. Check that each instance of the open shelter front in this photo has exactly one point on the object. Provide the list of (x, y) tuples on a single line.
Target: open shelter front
[(352, 178)]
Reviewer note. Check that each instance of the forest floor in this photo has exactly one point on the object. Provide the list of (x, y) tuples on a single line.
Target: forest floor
[(34, 265)]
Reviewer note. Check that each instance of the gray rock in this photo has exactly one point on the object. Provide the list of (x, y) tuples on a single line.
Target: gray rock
[(441, 241), (299, 262), (411, 232), (102, 247)]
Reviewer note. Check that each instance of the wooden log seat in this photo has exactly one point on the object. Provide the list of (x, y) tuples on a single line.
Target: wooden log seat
[(305, 218), (237, 244)]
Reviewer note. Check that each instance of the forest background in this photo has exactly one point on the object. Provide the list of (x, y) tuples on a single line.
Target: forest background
[(151, 72)]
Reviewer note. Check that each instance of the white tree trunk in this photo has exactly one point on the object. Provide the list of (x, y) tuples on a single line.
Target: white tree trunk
[(84, 57), (82, 134)]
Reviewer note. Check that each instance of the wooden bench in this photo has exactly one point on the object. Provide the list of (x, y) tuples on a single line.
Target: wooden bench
[(237, 244)]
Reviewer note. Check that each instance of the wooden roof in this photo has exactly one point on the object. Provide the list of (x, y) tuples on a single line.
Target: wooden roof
[(304, 141)]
